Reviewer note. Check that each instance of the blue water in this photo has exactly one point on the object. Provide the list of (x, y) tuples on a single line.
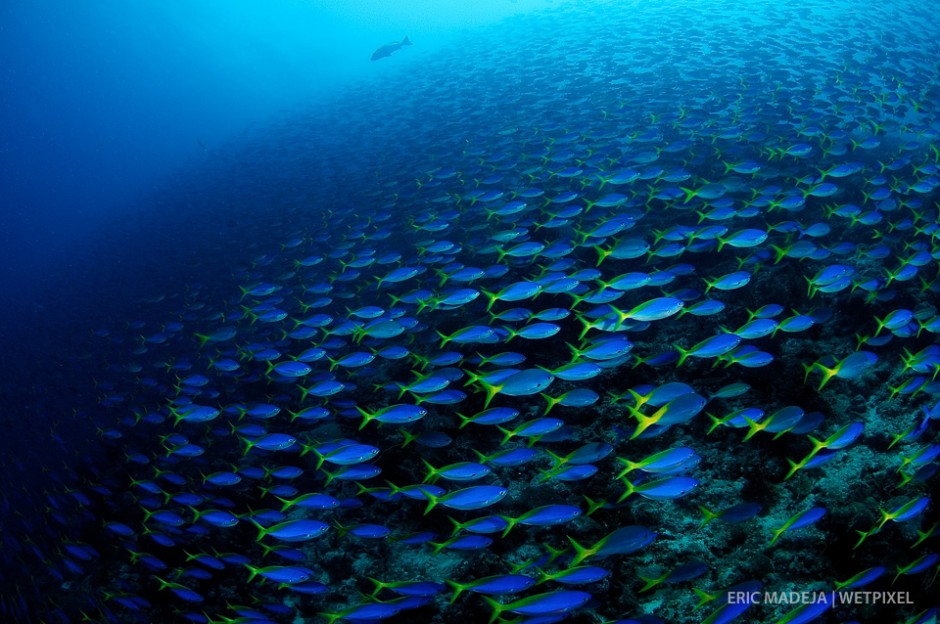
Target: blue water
[(707, 206), (107, 101)]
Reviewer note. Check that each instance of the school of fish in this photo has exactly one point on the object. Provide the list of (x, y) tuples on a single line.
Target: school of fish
[(638, 309)]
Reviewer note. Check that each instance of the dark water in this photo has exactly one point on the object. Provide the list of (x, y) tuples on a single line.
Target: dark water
[(647, 221)]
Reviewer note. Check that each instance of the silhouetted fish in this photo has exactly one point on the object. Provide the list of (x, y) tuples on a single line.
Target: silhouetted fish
[(388, 48)]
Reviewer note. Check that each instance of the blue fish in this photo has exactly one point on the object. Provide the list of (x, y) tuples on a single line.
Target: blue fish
[(467, 499)]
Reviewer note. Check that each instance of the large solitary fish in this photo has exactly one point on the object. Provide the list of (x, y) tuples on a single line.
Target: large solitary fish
[(388, 48)]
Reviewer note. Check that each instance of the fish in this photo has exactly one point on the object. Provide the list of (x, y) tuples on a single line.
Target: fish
[(546, 604), (667, 488), (367, 612), (664, 462), (461, 471), (921, 564), (849, 367), (547, 515), (293, 530), (389, 48), (520, 383), (580, 575), (798, 521), (465, 543), (398, 414), (504, 584), (838, 440), (484, 524), (407, 588), (534, 429), (735, 514), (861, 579), (810, 611), (619, 542), (468, 499), (683, 572), (287, 575)]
